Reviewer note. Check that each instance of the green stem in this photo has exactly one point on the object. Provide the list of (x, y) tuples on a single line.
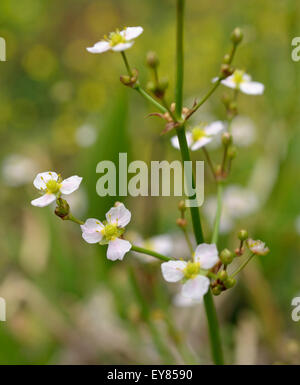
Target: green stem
[(209, 161), (204, 99), (243, 265), (142, 250), (126, 63), (212, 319), (149, 98), (75, 220), (218, 213), (179, 58), (139, 89), (185, 156)]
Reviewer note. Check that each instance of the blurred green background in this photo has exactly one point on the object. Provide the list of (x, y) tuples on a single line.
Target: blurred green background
[(64, 109)]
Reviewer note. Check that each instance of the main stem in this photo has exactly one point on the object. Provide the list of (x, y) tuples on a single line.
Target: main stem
[(213, 326)]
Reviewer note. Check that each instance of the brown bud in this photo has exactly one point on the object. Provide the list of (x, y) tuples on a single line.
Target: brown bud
[(181, 222), (62, 209)]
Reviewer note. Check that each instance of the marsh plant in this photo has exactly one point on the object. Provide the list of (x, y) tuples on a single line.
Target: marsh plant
[(207, 272)]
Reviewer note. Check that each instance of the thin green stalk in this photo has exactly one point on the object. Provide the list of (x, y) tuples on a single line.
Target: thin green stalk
[(212, 319), (243, 265), (148, 97), (139, 89), (75, 220), (185, 156), (126, 63), (218, 213), (204, 99), (142, 250), (179, 58), (209, 161)]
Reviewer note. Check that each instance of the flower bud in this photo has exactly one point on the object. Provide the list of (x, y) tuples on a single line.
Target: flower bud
[(222, 275), (151, 86), (226, 70), (226, 138), (164, 83), (152, 59), (181, 205), (226, 59), (236, 36), (229, 283), (232, 152), (62, 209), (125, 79), (243, 235), (226, 257), (181, 222), (216, 290)]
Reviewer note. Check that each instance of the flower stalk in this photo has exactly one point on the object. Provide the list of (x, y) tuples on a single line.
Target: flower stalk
[(213, 326)]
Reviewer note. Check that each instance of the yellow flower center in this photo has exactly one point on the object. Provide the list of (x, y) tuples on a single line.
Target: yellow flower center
[(238, 77), (110, 232), (192, 270), (52, 186), (198, 133), (116, 38)]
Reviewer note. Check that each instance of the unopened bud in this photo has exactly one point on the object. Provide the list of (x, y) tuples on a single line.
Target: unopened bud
[(164, 83), (232, 152), (216, 290), (226, 138), (181, 222), (181, 205), (125, 79), (229, 283), (226, 70), (222, 275), (243, 235), (226, 59), (236, 36), (62, 209), (226, 257), (152, 59), (151, 86)]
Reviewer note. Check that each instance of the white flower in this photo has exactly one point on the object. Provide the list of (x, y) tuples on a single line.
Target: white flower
[(243, 131), (162, 244), (117, 41), (241, 81), (257, 247), (196, 284), (18, 170), (52, 186), (109, 232), (181, 301), (238, 202), (200, 135), (86, 135)]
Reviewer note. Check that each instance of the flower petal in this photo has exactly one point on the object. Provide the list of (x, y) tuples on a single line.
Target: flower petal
[(71, 184), (132, 32), (229, 82), (42, 178), (207, 255), (91, 230), (252, 88), (44, 200), (100, 47), (117, 249), (91, 225), (119, 215), (196, 288), (201, 143), (214, 128), (122, 46), (189, 139), (172, 271)]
